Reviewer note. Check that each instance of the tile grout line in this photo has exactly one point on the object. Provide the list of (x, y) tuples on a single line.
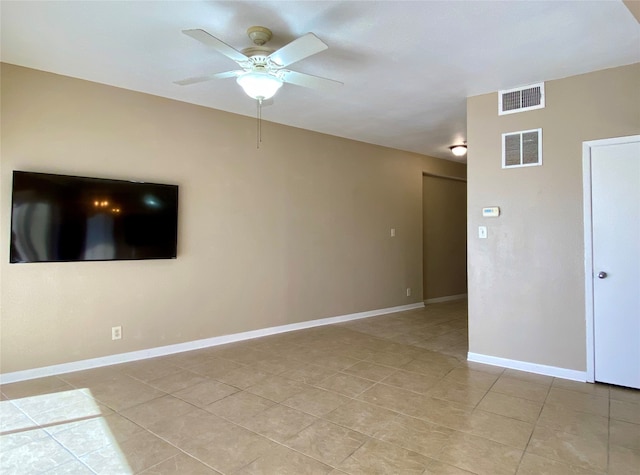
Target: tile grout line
[(524, 451)]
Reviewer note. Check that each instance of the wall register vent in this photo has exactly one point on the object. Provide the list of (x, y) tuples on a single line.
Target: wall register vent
[(521, 99), (522, 149)]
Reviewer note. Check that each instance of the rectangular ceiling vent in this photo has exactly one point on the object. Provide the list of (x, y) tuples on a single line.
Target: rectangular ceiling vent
[(522, 149), (521, 99)]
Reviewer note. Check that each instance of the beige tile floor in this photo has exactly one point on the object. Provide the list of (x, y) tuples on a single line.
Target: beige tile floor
[(385, 395)]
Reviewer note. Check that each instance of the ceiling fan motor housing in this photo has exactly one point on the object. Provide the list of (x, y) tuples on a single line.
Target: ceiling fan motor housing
[(253, 51)]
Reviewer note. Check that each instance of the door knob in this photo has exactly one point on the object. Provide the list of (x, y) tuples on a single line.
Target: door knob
[(602, 275)]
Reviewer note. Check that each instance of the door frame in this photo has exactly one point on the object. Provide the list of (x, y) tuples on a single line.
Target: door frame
[(587, 147)]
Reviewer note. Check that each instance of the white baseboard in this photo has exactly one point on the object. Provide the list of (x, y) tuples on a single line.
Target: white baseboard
[(446, 299), (190, 345), (554, 371)]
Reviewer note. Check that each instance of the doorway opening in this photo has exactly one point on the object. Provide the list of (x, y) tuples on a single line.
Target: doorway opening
[(444, 238)]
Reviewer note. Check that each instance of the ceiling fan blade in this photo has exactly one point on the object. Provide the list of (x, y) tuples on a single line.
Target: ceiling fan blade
[(197, 79), (307, 80), (298, 49), (193, 80), (222, 47), (229, 74)]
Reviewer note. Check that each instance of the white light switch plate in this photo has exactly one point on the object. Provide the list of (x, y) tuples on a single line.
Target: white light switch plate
[(482, 232)]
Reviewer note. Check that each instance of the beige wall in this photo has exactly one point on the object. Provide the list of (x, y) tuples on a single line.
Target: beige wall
[(634, 7), (526, 281), (295, 231), (444, 218)]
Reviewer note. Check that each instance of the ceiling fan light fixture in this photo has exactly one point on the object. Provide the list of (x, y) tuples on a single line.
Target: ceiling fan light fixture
[(458, 150), (259, 86)]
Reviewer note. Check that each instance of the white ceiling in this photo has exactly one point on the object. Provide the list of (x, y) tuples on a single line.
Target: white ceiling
[(407, 66)]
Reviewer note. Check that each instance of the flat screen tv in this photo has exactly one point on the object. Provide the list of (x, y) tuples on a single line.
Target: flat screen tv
[(60, 218)]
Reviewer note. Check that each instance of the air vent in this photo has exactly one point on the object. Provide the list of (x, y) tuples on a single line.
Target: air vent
[(521, 99), (522, 149)]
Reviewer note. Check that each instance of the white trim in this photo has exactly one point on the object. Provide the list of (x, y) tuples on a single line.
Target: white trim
[(588, 242), (191, 345), (446, 299), (588, 259), (554, 371)]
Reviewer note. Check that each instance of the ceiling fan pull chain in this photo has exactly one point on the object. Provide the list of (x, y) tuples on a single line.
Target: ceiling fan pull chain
[(259, 115)]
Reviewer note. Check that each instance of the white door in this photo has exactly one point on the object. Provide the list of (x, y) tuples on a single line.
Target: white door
[(615, 191)]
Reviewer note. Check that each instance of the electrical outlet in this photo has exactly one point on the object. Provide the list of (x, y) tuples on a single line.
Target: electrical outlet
[(408, 291), (116, 333)]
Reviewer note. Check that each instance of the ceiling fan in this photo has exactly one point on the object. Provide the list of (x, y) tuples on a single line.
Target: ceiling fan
[(263, 69)]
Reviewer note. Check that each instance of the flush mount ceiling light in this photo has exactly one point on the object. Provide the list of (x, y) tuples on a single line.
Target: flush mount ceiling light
[(458, 150)]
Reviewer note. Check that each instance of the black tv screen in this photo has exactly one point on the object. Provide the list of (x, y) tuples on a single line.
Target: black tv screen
[(60, 218)]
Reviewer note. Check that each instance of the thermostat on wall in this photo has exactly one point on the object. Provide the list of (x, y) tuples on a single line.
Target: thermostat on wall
[(492, 212)]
